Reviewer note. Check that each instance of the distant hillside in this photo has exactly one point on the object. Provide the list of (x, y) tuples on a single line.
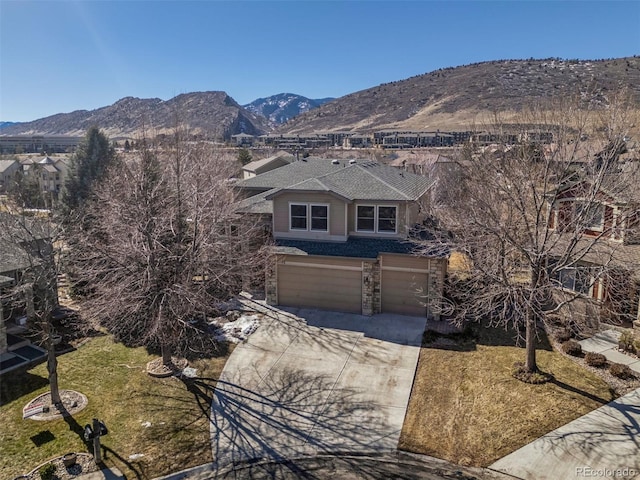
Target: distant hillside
[(281, 108), (210, 114), (7, 124), (453, 98)]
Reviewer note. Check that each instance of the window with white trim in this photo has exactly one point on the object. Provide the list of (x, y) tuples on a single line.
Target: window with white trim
[(319, 217), (387, 219), (366, 220), (298, 216), (577, 279), (376, 218), (590, 215), (306, 216)]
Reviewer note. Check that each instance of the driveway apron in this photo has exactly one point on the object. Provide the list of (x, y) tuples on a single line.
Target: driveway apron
[(309, 382)]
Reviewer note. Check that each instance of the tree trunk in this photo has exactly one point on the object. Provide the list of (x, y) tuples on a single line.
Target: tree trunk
[(52, 368), (530, 364), (52, 364), (166, 354)]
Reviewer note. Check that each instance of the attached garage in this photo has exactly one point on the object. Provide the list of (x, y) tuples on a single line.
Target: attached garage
[(330, 283), (404, 285)]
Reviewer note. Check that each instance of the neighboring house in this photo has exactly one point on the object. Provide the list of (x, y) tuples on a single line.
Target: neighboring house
[(341, 231), (243, 139), (8, 171), (614, 221), (258, 167), (50, 172), (22, 244)]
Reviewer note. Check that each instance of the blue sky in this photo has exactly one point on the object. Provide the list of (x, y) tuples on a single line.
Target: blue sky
[(61, 56)]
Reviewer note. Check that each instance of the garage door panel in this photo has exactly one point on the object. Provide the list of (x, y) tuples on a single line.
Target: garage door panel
[(309, 286), (404, 292)]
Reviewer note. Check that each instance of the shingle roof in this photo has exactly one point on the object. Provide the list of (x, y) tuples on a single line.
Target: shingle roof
[(5, 164), (257, 164), (357, 247), (355, 180), (291, 174)]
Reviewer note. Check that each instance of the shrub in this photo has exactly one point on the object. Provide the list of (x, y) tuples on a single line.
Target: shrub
[(563, 335), (572, 347), (627, 341), (47, 471), (621, 371), (595, 359)]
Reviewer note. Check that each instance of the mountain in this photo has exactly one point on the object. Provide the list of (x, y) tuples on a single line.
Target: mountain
[(454, 98), (7, 124), (209, 114), (281, 108)]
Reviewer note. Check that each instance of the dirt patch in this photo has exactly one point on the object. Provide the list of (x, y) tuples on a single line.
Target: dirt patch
[(72, 403), (156, 368)]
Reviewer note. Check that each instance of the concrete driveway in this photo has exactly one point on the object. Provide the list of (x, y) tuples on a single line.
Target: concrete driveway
[(309, 382)]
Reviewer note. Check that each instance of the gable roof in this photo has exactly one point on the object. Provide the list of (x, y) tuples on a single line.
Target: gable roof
[(255, 166), (352, 180), (6, 164)]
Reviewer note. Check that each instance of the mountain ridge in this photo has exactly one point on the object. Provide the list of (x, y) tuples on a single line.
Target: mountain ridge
[(451, 98)]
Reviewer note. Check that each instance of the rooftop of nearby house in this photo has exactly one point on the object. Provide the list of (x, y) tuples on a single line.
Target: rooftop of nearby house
[(5, 164), (351, 180), (258, 164), (359, 248)]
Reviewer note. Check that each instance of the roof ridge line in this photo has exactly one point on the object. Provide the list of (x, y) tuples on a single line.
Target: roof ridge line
[(382, 181)]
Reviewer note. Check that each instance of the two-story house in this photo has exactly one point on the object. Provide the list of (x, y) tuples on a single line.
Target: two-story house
[(341, 232), (606, 243), (50, 172), (8, 171)]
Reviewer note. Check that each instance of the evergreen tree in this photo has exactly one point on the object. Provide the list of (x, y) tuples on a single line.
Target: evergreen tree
[(88, 164), (244, 156)]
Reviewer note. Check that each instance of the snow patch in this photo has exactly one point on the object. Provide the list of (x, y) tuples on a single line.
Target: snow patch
[(236, 331)]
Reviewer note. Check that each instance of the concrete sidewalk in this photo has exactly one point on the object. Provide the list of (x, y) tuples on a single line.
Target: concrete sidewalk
[(106, 474), (606, 343), (604, 443)]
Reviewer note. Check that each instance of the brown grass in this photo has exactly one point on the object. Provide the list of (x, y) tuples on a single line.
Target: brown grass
[(121, 394), (477, 412)]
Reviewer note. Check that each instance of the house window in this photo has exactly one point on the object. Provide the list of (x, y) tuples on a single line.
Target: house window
[(381, 218), (304, 216), (387, 219), (319, 217), (298, 216), (589, 214), (577, 279), (366, 218)]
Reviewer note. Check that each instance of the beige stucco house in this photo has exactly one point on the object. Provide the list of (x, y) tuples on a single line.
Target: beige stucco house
[(341, 231)]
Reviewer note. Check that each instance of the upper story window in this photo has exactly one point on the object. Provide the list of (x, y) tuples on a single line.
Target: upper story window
[(387, 219), (307, 216), (376, 218), (589, 214), (298, 215)]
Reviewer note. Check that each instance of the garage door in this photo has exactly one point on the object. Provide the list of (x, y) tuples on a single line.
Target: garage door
[(329, 284), (404, 287)]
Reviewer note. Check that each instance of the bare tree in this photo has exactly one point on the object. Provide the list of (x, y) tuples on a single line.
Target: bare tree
[(541, 221), (28, 244), (160, 245)]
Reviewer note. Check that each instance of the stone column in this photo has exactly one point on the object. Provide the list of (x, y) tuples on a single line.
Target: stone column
[(367, 287), (436, 284), (271, 282)]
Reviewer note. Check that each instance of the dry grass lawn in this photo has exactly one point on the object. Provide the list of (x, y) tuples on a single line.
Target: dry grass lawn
[(466, 407), (122, 395)]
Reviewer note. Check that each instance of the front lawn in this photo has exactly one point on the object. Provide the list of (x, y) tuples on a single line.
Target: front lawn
[(466, 407), (164, 420)]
